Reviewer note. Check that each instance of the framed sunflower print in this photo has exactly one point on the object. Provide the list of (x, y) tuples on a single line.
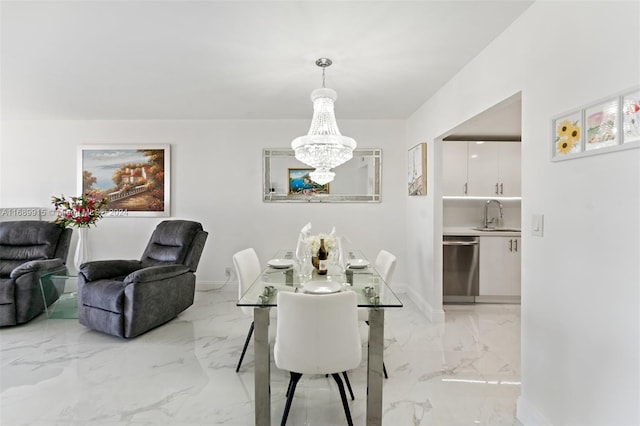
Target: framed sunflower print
[(567, 135)]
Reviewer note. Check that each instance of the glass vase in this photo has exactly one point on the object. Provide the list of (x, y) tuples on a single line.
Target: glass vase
[(82, 249)]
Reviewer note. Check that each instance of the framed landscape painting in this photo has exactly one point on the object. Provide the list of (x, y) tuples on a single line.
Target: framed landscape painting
[(300, 183), (134, 178)]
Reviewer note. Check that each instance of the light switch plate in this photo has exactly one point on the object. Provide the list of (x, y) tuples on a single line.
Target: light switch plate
[(537, 225)]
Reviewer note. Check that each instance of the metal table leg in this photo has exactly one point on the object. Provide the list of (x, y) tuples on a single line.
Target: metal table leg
[(262, 366), (374, 367)]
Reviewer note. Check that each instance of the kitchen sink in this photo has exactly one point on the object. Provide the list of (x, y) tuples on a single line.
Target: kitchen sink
[(496, 229)]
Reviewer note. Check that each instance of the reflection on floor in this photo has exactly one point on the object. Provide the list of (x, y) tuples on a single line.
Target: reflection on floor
[(465, 371)]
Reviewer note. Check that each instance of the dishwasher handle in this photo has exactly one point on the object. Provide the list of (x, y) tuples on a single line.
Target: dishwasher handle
[(460, 243)]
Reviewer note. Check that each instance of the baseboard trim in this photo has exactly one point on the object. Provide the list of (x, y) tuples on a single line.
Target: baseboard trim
[(433, 315), (216, 285), (528, 415), (497, 299)]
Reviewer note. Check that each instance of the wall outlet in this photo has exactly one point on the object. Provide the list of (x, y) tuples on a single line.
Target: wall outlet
[(227, 271)]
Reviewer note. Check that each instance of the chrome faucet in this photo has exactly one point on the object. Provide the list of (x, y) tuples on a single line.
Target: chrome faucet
[(486, 221)]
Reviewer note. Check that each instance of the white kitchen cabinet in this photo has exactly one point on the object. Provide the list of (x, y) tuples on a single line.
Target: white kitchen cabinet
[(499, 266), (454, 159), (483, 169), (509, 166)]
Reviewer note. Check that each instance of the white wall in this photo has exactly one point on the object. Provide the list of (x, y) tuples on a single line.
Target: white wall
[(216, 178), (580, 282)]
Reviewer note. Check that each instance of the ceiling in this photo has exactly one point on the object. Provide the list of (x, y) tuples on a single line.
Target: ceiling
[(501, 122), (126, 60)]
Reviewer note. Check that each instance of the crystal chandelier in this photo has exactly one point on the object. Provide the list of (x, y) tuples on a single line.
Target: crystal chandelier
[(323, 148)]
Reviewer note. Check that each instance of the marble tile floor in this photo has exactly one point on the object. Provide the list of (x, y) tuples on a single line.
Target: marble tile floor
[(465, 371)]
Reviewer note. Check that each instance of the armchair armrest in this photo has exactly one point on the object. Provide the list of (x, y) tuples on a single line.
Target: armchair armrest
[(44, 266), (155, 273), (101, 269)]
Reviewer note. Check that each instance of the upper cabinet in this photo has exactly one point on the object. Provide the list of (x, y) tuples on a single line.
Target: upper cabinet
[(483, 169), (454, 159), (509, 168)]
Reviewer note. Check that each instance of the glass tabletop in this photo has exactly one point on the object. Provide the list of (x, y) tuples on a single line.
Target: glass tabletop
[(371, 290)]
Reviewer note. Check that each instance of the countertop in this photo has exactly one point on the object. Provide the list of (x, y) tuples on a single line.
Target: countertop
[(469, 231)]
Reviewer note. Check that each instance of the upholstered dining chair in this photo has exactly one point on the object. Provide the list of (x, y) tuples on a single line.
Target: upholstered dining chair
[(317, 334), (385, 264), (248, 268)]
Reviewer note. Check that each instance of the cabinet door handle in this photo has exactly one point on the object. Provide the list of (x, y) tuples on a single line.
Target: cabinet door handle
[(465, 188), (497, 189), (516, 245), (501, 189), (511, 245)]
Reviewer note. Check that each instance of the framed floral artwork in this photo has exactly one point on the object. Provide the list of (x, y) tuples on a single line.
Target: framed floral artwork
[(417, 170), (135, 179), (607, 125), (631, 117), (300, 183), (602, 125), (567, 135)]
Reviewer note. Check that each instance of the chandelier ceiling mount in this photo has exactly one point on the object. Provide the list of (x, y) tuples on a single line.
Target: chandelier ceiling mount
[(324, 147)]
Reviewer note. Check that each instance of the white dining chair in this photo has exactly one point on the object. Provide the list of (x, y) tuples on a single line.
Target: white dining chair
[(248, 269), (317, 334), (385, 265)]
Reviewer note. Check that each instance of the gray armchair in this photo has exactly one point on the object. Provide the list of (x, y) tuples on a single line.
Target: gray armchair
[(28, 250), (129, 297)]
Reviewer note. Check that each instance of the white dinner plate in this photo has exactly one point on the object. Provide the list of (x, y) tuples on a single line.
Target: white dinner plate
[(358, 263), (280, 263), (321, 287)]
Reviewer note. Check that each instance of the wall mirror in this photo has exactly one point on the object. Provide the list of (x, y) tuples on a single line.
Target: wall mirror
[(357, 181)]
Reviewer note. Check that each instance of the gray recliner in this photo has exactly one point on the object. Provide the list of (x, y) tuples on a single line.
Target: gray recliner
[(29, 249), (129, 297)]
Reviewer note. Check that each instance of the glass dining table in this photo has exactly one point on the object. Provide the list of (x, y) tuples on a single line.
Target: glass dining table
[(373, 294)]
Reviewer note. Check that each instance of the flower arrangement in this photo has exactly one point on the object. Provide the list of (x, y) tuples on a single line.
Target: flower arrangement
[(314, 242), (80, 212)]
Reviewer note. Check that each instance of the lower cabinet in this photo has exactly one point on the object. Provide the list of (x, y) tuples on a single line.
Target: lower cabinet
[(499, 266)]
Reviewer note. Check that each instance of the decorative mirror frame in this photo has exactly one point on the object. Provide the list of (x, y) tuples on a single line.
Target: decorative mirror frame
[(270, 197)]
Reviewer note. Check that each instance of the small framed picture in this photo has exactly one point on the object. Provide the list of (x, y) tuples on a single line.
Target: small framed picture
[(300, 183), (631, 117), (417, 170), (567, 135), (602, 125)]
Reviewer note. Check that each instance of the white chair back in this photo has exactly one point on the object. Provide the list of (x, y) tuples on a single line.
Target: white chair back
[(317, 334), (248, 269), (385, 265)]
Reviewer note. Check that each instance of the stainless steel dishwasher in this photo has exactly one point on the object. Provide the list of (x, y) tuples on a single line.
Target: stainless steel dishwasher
[(460, 277)]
